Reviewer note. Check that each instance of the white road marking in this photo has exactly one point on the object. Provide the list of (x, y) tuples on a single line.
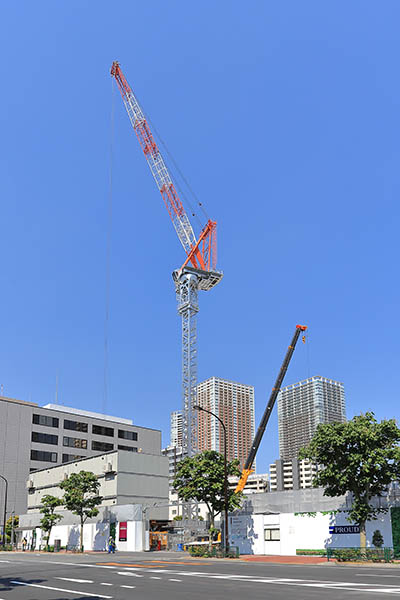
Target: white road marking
[(375, 575), (128, 587), (71, 564), (387, 591), (46, 587), (155, 577), (106, 584), (348, 586), (75, 580), (7, 561), (340, 585), (174, 579)]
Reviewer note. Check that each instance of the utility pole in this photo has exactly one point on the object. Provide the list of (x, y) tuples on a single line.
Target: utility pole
[(5, 509), (226, 498)]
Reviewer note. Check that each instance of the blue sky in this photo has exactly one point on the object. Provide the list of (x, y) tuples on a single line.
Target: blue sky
[(284, 117)]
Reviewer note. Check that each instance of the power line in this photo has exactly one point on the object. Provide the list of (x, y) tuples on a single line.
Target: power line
[(108, 255)]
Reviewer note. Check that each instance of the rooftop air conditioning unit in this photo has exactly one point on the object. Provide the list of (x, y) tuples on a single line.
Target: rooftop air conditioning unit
[(29, 484), (108, 468)]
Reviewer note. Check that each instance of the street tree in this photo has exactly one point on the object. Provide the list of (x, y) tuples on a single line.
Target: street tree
[(81, 497), (361, 456), (11, 524), (50, 517), (201, 478)]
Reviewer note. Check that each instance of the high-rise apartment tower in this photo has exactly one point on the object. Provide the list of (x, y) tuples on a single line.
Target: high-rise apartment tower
[(302, 407), (234, 404), (176, 428)]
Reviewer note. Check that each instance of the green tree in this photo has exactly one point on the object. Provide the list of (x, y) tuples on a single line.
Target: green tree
[(377, 539), (201, 478), (81, 497), (11, 523), (50, 517), (360, 456)]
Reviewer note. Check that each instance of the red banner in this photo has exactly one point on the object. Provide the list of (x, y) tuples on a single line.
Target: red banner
[(123, 531)]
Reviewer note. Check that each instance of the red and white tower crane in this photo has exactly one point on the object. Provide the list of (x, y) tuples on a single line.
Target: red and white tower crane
[(198, 271)]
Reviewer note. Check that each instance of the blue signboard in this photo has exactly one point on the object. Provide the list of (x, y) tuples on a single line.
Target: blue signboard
[(344, 529)]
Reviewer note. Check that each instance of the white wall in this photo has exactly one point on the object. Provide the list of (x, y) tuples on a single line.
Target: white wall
[(299, 532), (134, 542), (95, 536)]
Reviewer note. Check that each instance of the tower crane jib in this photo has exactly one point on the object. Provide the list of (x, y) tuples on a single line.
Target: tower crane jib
[(161, 175)]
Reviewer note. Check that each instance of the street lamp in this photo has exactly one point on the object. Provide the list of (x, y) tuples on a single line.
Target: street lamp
[(5, 509), (226, 501)]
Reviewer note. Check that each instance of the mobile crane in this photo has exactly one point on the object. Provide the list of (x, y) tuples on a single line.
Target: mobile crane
[(247, 470)]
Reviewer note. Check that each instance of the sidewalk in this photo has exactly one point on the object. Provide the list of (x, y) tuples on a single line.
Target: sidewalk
[(286, 560)]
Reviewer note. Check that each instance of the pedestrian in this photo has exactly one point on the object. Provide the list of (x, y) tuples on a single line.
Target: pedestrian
[(24, 543), (111, 545)]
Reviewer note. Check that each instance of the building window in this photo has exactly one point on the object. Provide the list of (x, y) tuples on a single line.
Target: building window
[(44, 420), (74, 442), (99, 430), (102, 446), (128, 448), (272, 535), (75, 426), (44, 456), (44, 438), (127, 435), (71, 457)]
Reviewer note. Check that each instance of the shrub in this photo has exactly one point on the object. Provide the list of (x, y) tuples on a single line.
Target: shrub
[(311, 552), (198, 551), (347, 554), (377, 539), (215, 552), (357, 554)]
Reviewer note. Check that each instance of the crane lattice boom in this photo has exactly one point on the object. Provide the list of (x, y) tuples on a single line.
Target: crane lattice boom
[(202, 252)]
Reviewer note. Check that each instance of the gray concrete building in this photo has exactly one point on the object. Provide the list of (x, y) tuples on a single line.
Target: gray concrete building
[(34, 437), (124, 477)]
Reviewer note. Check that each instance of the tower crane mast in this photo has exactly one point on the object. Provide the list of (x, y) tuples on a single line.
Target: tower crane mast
[(198, 272)]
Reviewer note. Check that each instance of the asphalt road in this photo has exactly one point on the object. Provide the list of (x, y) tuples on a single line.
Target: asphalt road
[(30, 576)]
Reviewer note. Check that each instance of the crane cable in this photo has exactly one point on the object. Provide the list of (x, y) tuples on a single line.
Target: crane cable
[(306, 338), (108, 252), (179, 171)]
